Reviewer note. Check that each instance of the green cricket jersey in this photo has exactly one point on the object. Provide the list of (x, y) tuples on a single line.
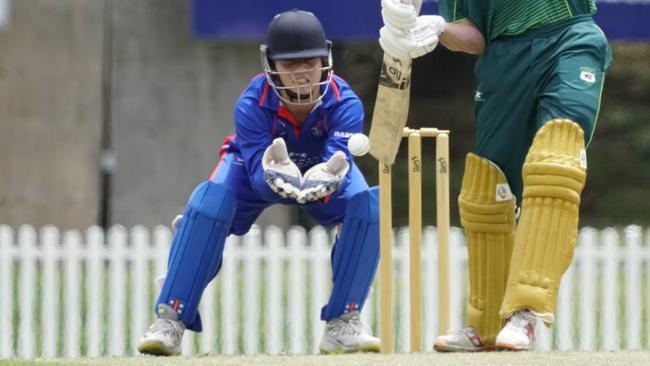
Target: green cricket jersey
[(511, 17)]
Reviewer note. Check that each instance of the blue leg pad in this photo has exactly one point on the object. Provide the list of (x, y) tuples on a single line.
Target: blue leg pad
[(355, 255), (197, 250)]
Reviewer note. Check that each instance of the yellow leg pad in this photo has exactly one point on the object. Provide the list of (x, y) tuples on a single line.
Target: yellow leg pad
[(554, 174), (487, 212)]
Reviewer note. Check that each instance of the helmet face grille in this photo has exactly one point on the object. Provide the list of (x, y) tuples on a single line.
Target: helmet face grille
[(290, 96)]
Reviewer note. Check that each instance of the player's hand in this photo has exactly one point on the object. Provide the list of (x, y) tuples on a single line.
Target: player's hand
[(398, 15), (280, 173), (324, 178), (417, 41)]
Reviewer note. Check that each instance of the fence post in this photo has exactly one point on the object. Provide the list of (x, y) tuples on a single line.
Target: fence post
[(251, 281), (51, 283), (319, 276), (116, 298), (610, 308), (94, 288), (207, 344), (564, 312), (140, 284), (587, 279), (6, 292), (26, 247), (632, 288), (274, 318), (296, 316), (228, 296), (71, 308)]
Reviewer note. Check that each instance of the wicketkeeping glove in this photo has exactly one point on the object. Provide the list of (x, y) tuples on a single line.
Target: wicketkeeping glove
[(280, 173), (324, 178)]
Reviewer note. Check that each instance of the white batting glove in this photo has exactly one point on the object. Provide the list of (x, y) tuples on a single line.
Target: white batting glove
[(417, 41), (398, 15), (280, 173), (324, 178)]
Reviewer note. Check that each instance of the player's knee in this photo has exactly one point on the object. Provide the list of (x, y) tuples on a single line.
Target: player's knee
[(364, 205), (556, 162), (214, 200), (584, 116), (486, 202)]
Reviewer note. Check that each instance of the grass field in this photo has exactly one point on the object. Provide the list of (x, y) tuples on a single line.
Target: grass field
[(428, 359)]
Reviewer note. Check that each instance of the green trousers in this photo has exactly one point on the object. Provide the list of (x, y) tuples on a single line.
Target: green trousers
[(526, 80)]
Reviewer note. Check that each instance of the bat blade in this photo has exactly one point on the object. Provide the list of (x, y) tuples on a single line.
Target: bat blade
[(391, 109)]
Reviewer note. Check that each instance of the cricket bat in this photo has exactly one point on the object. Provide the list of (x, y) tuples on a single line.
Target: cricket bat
[(391, 105)]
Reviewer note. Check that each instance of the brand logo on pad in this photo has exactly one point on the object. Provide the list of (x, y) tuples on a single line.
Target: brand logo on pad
[(350, 307), (177, 305), (503, 192)]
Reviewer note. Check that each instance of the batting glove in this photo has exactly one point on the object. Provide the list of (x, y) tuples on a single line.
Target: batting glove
[(398, 15), (415, 42)]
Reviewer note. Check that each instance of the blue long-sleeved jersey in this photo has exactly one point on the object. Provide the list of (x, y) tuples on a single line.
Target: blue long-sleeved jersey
[(260, 118)]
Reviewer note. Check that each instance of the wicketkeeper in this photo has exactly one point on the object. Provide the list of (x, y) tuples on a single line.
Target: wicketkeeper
[(292, 124), (539, 82)]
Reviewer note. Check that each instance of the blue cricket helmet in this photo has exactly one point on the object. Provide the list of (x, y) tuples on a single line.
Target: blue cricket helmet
[(296, 34)]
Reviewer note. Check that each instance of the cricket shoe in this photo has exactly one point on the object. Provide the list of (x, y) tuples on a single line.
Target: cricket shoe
[(461, 340), (165, 335), (348, 334), (519, 332)]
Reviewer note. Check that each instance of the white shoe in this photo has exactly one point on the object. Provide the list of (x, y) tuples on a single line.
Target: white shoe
[(461, 340), (519, 332), (165, 335), (348, 334)]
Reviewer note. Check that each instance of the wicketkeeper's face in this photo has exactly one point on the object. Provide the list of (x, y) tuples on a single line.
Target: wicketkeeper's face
[(301, 76)]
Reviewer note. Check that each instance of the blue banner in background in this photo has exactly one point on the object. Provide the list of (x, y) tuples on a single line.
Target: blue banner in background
[(624, 20), (361, 19)]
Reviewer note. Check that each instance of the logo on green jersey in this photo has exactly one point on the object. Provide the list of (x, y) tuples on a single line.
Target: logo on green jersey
[(588, 75)]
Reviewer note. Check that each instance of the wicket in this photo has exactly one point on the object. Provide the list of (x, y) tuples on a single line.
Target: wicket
[(415, 237)]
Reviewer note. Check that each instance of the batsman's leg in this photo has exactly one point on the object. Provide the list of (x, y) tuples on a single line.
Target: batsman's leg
[(554, 174), (354, 260), (487, 213)]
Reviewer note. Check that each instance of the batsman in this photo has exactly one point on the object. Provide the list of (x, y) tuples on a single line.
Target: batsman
[(539, 81), (292, 125)]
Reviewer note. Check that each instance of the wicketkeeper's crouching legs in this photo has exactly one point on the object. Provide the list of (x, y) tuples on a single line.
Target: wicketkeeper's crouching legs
[(195, 257), (487, 213), (355, 257), (554, 174)]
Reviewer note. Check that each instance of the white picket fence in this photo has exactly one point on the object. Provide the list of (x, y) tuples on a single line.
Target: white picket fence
[(68, 295)]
